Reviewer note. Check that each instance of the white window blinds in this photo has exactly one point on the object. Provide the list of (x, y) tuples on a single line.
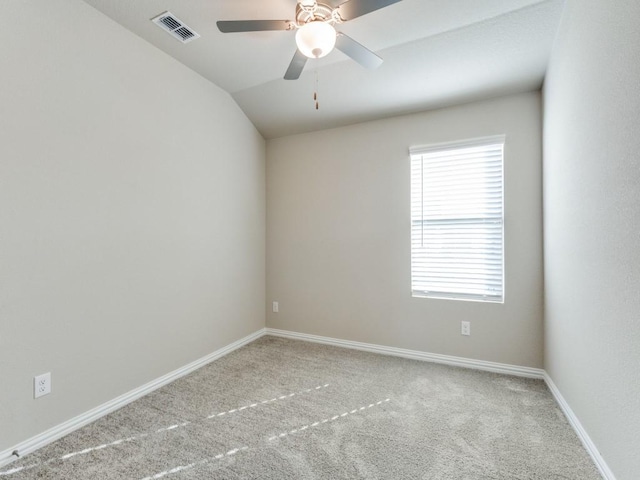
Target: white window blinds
[(457, 220)]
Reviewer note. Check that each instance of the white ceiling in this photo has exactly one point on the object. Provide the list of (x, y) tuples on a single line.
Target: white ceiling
[(436, 52)]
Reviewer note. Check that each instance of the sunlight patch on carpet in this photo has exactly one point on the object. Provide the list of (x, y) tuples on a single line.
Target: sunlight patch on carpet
[(327, 420)]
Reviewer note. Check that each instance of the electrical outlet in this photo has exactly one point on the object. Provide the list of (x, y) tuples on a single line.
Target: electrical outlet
[(42, 385), (276, 307), (465, 328)]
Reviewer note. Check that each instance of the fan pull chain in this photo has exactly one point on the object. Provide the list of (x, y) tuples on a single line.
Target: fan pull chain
[(315, 93)]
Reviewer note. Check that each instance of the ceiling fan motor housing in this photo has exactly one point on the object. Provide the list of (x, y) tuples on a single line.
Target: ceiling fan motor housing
[(316, 12)]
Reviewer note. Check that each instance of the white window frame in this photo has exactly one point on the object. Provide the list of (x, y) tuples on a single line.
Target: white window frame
[(457, 249)]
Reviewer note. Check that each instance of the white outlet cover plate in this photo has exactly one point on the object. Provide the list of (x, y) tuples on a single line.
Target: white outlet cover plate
[(42, 385), (465, 328)]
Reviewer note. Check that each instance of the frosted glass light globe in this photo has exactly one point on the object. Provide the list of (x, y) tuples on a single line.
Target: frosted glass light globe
[(316, 39)]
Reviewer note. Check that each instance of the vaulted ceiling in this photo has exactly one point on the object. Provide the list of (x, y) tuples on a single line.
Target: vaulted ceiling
[(436, 53)]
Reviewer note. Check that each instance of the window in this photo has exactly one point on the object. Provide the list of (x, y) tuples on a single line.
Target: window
[(457, 220)]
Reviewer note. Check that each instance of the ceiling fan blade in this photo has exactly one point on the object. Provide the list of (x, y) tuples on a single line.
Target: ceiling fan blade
[(234, 26), (356, 8), (359, 53), (296, 66)]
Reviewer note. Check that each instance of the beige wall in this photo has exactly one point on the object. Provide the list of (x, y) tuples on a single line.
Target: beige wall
[(592, 224), (338, 235), (131, 214)]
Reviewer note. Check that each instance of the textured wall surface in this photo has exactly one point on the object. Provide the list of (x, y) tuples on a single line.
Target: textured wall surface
[(592, 224), (131, 215), (338, 250)]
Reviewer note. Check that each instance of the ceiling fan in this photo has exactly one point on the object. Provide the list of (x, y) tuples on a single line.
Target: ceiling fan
[(316, 34)]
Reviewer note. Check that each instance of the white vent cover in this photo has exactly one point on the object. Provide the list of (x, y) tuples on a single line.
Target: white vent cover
[(169, 23)]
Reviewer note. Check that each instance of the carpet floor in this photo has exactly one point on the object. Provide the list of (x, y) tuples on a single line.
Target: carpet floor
[(284, 409)]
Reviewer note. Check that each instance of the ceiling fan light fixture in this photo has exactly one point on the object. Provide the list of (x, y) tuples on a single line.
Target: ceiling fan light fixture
[(316, 39)]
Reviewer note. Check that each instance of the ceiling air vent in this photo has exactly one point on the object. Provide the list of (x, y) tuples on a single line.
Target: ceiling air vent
[(175, 27)]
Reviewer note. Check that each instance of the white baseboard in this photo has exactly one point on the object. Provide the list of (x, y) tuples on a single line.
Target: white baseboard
[(414, 354), (69, 426), (584, 437)]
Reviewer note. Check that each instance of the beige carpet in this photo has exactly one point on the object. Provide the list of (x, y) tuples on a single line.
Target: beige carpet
[(283, 409)]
